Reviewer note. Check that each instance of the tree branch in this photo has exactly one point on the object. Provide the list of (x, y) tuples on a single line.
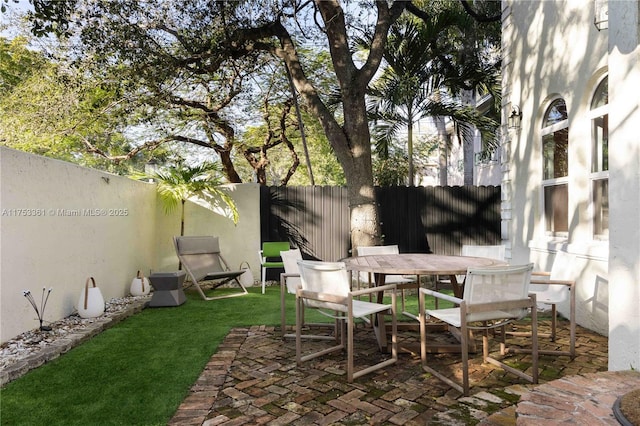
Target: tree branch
[(475, 15), (151, 145)]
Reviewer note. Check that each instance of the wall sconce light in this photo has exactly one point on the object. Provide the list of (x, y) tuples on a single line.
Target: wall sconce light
[(515, 117), (601, 14), (151, 168)]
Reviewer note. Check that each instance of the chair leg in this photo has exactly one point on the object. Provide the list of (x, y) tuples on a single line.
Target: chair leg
[(350, 323), (464, 331), (350, 326), (554, 322), (264, 278), (534, 337), (552, 335), (485, 345), (572, 325), (299, 318), (423, 353), (283, 287)]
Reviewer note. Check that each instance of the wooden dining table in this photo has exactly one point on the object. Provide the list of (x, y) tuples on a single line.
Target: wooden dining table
[(417, 264)]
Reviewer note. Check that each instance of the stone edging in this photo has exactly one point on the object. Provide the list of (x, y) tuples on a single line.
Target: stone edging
[(63, 345)]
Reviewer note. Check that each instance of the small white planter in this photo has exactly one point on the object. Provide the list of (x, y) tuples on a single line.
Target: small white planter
[(91, 302), (140, 285)]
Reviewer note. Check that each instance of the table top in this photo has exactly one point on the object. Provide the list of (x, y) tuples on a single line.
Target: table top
[(418, 264)]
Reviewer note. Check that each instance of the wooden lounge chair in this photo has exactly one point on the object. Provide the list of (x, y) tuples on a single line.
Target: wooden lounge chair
[(201, 258)]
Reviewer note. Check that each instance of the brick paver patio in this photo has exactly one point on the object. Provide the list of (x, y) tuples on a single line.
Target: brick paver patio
[(253, 379)]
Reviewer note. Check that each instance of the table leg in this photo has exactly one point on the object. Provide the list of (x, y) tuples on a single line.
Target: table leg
[(378, 320), (380, 281), (458, 288)]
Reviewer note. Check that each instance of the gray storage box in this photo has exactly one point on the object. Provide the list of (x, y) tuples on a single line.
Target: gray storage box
[(167, 288)]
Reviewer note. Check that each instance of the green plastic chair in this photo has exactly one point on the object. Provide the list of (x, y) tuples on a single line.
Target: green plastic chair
[(270, 257)]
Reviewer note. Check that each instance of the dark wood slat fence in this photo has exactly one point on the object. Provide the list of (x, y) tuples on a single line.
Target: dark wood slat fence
[(418, 219)]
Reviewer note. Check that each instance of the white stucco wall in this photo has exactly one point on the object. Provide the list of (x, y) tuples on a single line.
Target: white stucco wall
[(238, 243), (624, 181), (552, 49), (61, 223)]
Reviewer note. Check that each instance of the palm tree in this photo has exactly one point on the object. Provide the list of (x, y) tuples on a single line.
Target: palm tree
[(424, 72), (398, 99), (177, 184)]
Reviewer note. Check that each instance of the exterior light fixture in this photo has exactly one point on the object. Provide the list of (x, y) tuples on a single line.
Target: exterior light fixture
[(515, 117), (150, 169), (151, 166), (601, 14)]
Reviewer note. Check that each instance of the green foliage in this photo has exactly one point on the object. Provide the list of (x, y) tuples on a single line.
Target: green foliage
[(189, 71), (428, 63), (17, 63), (48, 110), (179, 183), (326, 169), (393, 168)]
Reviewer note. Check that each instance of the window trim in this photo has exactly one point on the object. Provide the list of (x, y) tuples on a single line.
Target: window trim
[(564, 180), (599, 175)]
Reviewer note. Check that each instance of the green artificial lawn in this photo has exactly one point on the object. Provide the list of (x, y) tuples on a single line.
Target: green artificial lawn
[(139, 371)]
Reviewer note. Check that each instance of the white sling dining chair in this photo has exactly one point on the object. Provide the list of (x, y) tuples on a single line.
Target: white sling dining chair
[(403, 282), (496, 251), (289, 283), (552, 289), (325, 287), (492, 298)]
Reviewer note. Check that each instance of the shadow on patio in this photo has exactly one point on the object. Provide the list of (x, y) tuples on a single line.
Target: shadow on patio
[(253, 379)]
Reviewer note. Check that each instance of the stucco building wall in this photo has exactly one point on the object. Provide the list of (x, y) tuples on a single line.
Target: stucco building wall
[(553, 50)]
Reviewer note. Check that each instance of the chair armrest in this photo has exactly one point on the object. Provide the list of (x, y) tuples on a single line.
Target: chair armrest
[(323, 297), (285, 275), (288, 275), (568, 283), (540, 273), (439, 295), (262, 259), (374, 290)]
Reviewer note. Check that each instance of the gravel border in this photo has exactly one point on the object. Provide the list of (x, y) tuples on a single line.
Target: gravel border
[(31, 349)]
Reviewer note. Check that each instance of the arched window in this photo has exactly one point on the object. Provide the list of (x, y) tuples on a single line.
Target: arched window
[(600, 160), (555, 167)]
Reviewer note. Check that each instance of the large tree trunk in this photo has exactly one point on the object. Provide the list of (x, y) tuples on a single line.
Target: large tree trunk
[(350, 140), (352, 146), (365, 221)]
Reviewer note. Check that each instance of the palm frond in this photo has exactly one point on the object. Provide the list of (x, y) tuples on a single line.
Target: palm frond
[(177, 184)]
